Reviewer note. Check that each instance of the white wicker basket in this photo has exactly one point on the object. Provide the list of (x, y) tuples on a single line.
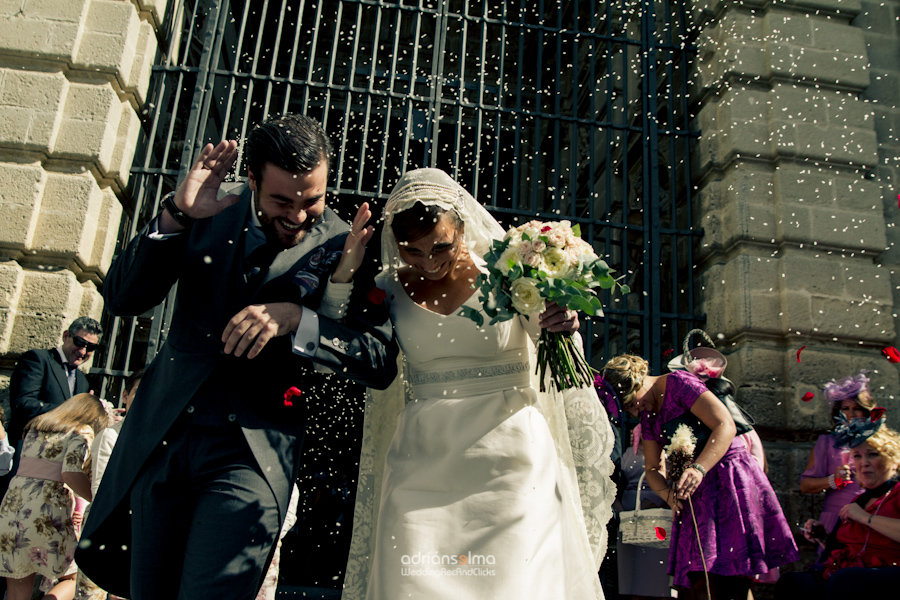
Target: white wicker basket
[(638, 526)]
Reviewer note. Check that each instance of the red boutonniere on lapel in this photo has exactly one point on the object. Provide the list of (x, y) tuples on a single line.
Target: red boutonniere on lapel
[(376, 295), (289, 396)]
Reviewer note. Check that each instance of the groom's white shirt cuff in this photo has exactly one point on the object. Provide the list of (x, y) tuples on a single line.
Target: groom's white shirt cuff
[(305, 339)]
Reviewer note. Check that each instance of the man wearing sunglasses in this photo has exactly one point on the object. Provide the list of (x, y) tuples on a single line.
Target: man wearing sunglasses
[(44, 379)]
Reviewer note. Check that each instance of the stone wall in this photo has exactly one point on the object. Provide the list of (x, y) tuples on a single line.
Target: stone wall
[(797, 106), (73, 78)]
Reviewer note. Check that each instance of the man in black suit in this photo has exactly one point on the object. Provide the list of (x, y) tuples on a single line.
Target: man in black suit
[(44, 379), (198, 485)]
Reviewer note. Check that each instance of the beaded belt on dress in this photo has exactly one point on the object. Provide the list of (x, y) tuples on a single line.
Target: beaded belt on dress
[(469, 380)]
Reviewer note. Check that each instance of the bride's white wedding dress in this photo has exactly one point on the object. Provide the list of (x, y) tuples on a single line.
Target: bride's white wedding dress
[(489, 488)]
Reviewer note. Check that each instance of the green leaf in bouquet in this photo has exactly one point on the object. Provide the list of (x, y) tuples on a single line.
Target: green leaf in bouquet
[(471, 313), (526, 237), (624, 289), (515, 270), (607, 282), (576, 229)]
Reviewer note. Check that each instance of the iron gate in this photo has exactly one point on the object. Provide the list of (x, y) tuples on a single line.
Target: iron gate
[(543, 109)]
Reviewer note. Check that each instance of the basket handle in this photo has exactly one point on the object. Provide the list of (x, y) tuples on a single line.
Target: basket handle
[(686, 346), (637, 499)]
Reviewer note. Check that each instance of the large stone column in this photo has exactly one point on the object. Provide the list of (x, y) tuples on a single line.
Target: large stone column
[(793, 215), (73, 79)]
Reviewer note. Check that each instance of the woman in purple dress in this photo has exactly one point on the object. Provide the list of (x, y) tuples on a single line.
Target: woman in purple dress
[(828, 468), (740, 525)]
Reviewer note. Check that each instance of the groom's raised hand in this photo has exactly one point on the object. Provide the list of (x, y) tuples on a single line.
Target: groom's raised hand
[(197, 196)]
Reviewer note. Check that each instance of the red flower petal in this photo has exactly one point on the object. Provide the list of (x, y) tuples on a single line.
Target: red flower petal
[(660, 533), (545, 228), (289, 395), (376, 295), (668, 352), (892, 354), (876, 413), (898, 200), (802, 348), (808, 396)]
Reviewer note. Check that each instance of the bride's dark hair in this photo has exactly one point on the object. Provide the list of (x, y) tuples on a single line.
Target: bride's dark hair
[(419, 220)]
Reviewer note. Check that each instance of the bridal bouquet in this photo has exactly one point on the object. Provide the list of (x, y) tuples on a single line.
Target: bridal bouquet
[(537, 263)]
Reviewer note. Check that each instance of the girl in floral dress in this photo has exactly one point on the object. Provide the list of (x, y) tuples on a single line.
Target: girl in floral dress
[(37, 534)]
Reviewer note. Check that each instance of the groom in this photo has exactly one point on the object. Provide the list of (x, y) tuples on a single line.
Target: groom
[(198, 486)]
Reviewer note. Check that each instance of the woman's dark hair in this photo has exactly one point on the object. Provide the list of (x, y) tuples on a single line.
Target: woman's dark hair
[(863, 398), (133, 379), (295, 143), (419, 220), (720, 387)]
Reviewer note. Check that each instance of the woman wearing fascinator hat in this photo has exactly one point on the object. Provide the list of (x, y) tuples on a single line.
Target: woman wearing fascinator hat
[(862, 553), (490, 488), (828, 468)]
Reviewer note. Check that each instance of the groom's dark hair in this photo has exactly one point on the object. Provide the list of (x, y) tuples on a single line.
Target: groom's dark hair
[(295, 143)]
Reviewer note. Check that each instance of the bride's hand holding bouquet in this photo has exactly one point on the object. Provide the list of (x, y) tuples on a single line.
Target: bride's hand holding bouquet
[(534, 268)]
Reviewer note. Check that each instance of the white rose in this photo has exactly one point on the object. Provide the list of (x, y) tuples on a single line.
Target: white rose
[(557, 263), (502, 263), (525, 248), (526, 298), (539, 246)]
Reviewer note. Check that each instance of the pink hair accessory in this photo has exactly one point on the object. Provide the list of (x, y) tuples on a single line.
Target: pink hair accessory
[(636, 437), (707, 368)]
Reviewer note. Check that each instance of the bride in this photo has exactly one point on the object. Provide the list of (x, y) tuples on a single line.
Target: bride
[(481, 487)]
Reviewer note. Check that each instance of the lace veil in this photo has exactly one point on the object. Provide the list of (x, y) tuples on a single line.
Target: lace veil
[(577, 421)]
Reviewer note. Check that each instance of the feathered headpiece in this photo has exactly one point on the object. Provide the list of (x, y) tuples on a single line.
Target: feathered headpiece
[(850, 433), (848, 387)]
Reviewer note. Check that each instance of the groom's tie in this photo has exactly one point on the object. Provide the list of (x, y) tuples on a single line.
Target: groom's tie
[(256, 265)]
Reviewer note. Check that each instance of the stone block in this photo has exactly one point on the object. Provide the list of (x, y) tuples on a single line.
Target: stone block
[(38, 37), (767, 404), (90, 124), (20, 193), (884, 88), (29, 107), (105, 232), (126, 144), (48, 303), (795, 311), (70, 209), (853, 323), (788, 28), (831, 144), (12, 277), (91, 303), (848, 230), (109, 37), (834, 36), (840, 68), (157, 8), (866, 282), (144, 55), (819, 276), (757, 364), (876, 17)]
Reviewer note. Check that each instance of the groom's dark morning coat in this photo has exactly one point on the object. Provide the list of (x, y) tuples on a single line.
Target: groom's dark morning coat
[(208, 264)]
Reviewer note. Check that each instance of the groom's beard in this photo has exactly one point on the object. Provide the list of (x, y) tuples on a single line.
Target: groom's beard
[(280, 237)]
